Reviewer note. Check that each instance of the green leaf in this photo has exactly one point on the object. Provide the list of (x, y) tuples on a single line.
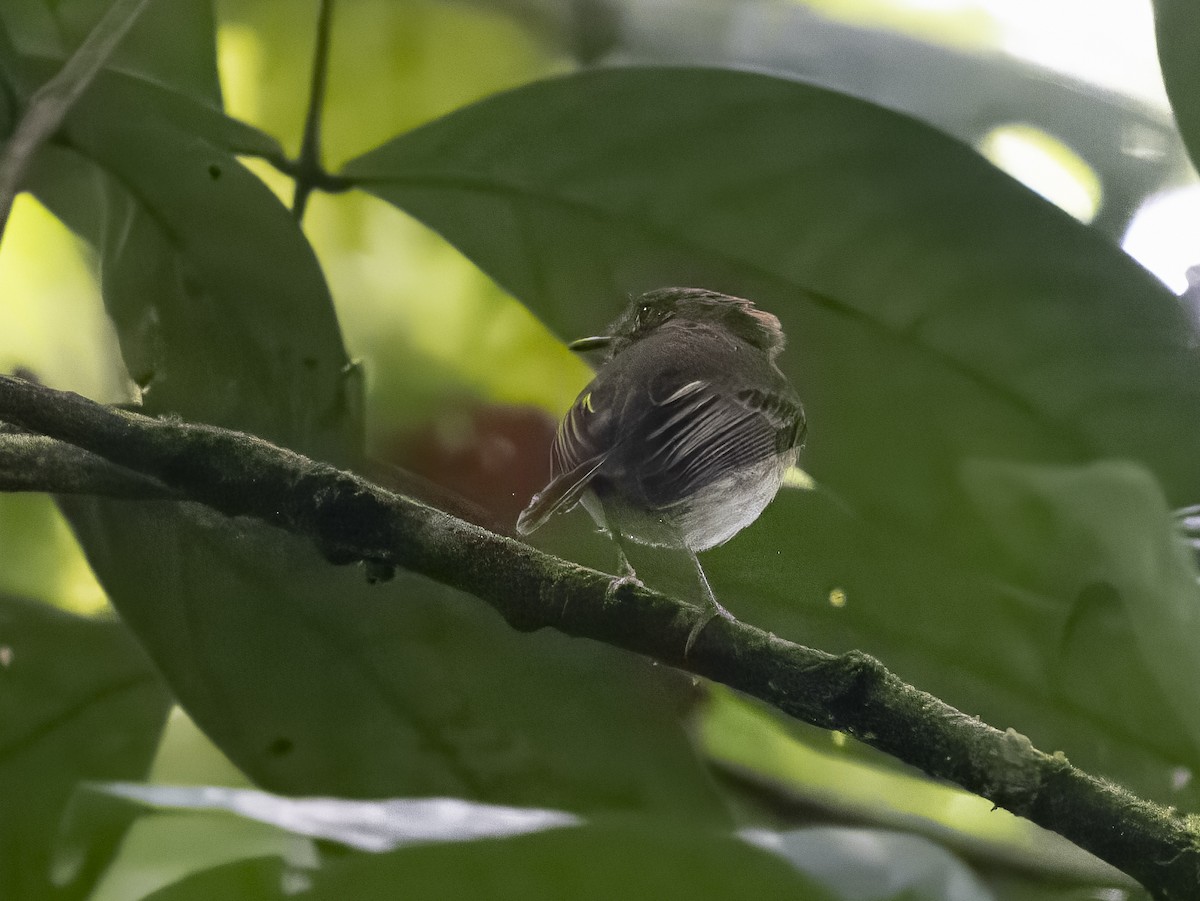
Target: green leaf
[(30, 28), (980, 633), (122, 92), (315, 682), (1117, 552), (938, 312), (78, 700), (602, 861), (1176, 23), (159, 849), (937, 309), (172, 43), (201, 267), (259, 879)]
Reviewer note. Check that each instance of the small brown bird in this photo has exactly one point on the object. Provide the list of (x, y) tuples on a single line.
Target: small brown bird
[(684, 435)]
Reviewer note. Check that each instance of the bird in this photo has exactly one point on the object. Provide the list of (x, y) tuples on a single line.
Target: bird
[(684, 435)]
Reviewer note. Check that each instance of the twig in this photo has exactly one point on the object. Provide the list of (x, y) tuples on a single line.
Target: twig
[(37, 463), (353, 519), (309, 172), (51, 102), (316, 179), (11, 77)]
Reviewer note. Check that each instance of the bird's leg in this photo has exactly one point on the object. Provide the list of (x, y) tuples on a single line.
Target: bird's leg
[(714, 606), (624, 567)]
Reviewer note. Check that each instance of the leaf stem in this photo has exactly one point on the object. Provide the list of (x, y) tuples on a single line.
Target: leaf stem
[(308, 171)]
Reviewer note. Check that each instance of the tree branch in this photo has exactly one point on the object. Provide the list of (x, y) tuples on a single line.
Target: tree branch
[(353, 519), (37, 463)]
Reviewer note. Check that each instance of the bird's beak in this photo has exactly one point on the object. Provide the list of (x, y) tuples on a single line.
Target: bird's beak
[(583, 345)]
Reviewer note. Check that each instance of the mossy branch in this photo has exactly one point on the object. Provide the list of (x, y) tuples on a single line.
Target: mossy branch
[(352, 519)]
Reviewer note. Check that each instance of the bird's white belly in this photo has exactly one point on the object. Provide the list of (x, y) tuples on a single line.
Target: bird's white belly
[(706, 519)]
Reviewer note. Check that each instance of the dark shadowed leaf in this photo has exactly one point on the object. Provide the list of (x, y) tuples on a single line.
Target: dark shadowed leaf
[(1115, 549), (257, 879), (78, 700), (1176, 23), (588, 862), (315, 682), (1064, 665), (201, 264), (172, 43)]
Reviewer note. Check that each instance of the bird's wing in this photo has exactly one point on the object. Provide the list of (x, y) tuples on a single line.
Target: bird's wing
[(675, 437), (783, 410), (697, 432), (561, 494), (580, 448)]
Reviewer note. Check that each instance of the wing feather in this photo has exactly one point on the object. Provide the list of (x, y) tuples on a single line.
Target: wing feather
[(560, 495), (580, 448), (691, 438)]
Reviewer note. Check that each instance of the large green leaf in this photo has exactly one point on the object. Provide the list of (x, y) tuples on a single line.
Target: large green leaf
[(1176, 23), (939, 313), (201, 265), (78, 700), (315, 682), (310, 679), (1115, 550), (591, 862), (936, 308), (1067, 661)]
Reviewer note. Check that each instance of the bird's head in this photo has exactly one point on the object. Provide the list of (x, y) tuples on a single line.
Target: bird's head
[(653, 310)]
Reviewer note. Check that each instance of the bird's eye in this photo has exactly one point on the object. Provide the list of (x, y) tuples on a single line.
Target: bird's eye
[(648, 316)]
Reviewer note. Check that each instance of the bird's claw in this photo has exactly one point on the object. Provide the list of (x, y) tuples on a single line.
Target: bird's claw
[(620, 582), (701, 624)]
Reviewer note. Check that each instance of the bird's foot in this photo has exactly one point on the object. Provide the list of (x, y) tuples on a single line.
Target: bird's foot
[(620, 582), (711, 612)]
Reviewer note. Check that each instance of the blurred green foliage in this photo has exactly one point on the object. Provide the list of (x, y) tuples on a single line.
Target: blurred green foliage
[(1003, 410), (80, 701), (431, 328)]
